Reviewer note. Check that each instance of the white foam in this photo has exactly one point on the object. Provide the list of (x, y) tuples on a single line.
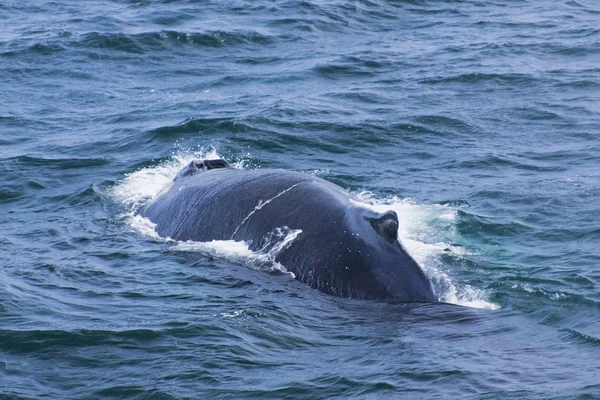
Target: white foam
[(145, 184), (234, 314), (143, 226), (240, 253)]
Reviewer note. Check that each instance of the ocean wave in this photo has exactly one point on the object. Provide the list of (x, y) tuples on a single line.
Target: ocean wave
[(340, 71), (491, 162), (136, 43), (480, 77), (27, 341), (109, 41), (579, 337), (151, 41), (9, 196), (196, 126), (479, 226), (303, 26), (446, 122), (42, 49), (60, 163)]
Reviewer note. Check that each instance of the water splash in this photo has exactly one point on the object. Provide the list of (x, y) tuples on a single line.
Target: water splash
[(240, 253), (141, 186)]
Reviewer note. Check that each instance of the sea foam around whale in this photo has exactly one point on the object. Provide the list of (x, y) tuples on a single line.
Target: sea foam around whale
[(423, 229)]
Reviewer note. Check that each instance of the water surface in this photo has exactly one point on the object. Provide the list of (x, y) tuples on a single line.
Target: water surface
[(477, 122)]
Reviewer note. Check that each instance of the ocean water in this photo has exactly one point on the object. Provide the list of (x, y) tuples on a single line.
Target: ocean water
[(478, 122)]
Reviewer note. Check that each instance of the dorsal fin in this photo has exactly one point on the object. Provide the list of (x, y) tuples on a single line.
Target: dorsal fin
[(386, 225)]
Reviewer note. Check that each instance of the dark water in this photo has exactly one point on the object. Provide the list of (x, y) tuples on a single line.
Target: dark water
[(477, 121)]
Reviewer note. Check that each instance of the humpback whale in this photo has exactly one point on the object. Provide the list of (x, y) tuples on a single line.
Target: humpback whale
[(343, 248)]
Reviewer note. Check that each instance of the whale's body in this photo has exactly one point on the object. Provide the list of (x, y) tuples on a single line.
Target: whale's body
[(343, 249)]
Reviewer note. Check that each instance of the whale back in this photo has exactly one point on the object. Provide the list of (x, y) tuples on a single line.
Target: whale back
[(341, 248), (210, 204)]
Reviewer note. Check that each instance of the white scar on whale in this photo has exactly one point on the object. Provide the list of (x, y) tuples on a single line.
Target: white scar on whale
[(260, 205)]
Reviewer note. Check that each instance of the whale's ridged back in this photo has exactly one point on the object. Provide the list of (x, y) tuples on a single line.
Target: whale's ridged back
[(342, 249), (192, 209)]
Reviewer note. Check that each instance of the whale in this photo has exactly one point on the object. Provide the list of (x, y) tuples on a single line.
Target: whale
[(340, 246)]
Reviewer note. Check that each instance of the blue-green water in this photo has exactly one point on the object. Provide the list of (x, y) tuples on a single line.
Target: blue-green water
[(477, 121)]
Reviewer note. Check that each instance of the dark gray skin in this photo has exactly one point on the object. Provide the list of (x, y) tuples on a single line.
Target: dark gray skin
[(343, 249)]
